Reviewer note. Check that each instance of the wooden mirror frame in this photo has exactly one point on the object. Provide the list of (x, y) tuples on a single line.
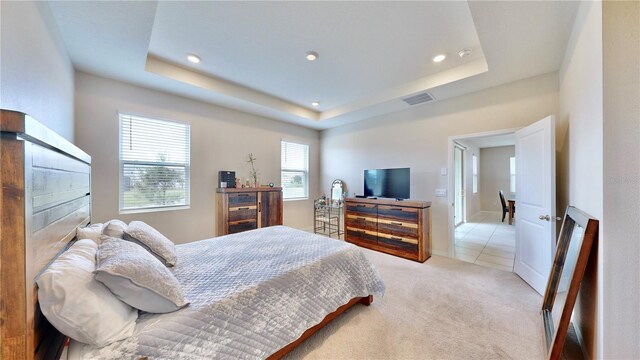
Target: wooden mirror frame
[(554, 342)]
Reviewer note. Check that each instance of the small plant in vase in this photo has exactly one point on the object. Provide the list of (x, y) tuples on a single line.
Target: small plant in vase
[(253, 172)]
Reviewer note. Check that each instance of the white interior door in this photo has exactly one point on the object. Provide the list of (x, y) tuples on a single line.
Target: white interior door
[(536, 202)]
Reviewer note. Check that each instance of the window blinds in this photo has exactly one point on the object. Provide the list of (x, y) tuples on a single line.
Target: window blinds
[(154, 163), (512, 174), (294, 170)]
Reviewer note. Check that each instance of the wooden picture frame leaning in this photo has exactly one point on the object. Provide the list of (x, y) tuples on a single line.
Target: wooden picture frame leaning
[(577, 236)]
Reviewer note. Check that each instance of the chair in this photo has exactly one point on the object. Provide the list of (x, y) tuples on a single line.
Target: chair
[(505, 208)]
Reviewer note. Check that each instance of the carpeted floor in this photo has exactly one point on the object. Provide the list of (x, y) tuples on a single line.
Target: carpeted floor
[(442, 309)]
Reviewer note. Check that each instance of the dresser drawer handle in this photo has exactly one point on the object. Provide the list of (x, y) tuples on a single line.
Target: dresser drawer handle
[(396, 209), (244, 208), (243, 194), (361, 218), (396, 223), (395, 238), (243, 222)]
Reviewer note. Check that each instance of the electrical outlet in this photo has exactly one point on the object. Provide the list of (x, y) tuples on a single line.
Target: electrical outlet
[(441, 192)]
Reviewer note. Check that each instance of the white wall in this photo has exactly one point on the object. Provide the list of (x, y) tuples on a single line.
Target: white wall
[(417, 138), (580, 152), (495, 176), (220, 140), (36, 74), (621, 245)]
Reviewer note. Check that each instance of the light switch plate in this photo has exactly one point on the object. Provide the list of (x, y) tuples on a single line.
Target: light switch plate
[(441, 192), (443, 171)]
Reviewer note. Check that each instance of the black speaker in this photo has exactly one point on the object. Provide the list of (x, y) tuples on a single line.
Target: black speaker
[(226, 179)]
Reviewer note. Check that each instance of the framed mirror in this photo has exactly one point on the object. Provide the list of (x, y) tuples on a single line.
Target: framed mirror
[(577, 235), (337, 189)]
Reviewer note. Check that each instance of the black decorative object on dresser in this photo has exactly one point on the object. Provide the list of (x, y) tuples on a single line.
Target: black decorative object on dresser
[(242, 209), (401, 228), (226, 179)]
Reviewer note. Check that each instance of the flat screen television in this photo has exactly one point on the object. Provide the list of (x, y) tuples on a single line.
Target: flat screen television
[(387, 183)]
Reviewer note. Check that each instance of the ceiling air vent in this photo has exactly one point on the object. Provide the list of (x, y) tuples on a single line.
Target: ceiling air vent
[(420, 98)]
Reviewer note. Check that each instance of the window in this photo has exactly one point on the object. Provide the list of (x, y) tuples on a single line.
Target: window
[(512, 174), (154, 164), (474, 172), (294, 174)]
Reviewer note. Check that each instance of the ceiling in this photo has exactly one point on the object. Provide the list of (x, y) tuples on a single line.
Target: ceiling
[(371, 54)]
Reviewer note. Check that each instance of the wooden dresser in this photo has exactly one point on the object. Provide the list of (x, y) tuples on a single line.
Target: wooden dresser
[(401, 228), (245, 209)]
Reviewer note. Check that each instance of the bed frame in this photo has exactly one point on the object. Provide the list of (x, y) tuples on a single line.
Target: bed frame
[(45, 197)]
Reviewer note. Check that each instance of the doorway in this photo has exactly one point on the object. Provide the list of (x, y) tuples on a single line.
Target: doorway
[(481, 165), (533, 168)]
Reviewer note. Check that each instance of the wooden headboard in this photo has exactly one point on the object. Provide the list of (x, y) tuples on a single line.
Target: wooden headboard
[(45, 196)]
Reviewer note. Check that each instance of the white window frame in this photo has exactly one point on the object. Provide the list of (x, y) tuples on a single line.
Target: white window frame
[(305, 171), (474, 173), (512, 174), (122, 163)]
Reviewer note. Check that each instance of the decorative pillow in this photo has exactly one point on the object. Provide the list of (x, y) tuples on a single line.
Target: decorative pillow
[(137, 277), (78, 305), (115, 228), (93, 232), (152, 240)]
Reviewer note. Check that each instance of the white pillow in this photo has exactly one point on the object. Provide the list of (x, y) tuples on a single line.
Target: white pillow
[(93, 232), (78, 305), (153, 241), (115, 228), (137, 277)]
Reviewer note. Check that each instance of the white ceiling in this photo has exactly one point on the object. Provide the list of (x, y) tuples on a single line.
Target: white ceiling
[(372, 54)]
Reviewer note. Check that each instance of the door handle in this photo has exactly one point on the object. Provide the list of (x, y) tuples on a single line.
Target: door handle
[(544, 217)]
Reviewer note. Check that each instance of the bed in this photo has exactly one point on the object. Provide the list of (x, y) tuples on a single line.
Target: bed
[(256, 294), (251, 294)]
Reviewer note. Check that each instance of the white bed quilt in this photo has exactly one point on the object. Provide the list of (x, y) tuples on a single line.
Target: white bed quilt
[(251, 294)]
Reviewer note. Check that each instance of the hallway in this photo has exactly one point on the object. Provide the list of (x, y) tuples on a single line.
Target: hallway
[(485, 240)]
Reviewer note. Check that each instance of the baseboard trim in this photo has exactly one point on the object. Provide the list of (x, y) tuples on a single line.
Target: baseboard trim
[(440, 253)]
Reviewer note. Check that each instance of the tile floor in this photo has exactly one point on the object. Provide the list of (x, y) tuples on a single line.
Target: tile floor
[(485, 240)]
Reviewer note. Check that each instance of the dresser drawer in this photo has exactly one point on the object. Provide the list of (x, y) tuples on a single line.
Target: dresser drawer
[(362, 209), (249, 212), (399, 228), (361, 222), (398, 213), (356, 235), (243, 225), (398, 242), (242, 199)]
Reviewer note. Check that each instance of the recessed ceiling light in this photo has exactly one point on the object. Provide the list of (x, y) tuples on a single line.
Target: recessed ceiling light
[(193, 58), (439, 58), (315, 104), (464, 52), (312, 56)]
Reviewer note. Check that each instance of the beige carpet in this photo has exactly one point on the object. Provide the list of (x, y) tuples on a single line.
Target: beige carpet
[(442, 309)]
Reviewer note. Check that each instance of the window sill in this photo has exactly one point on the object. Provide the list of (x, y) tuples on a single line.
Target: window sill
[(295, 199), (158, 209)]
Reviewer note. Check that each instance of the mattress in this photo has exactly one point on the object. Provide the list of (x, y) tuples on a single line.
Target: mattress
[(251, 294)]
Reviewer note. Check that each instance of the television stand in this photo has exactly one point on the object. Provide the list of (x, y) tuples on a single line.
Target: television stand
[(384, 225)]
